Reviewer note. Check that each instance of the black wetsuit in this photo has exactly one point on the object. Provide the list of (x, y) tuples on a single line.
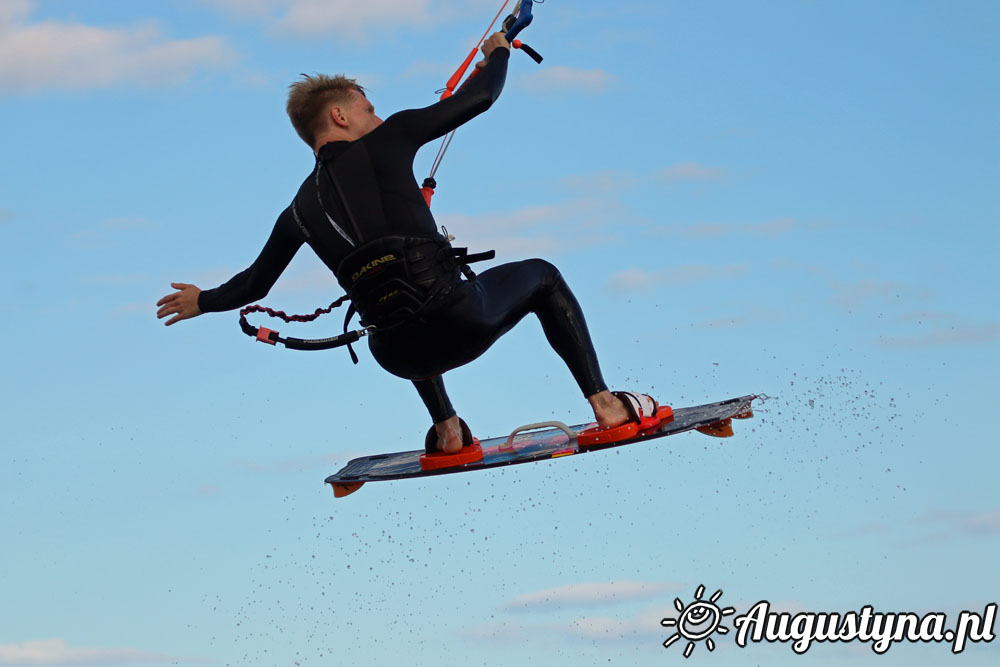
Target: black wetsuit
[(365, 190)]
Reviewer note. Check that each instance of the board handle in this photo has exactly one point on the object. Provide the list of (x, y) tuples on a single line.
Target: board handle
[(509, 445)]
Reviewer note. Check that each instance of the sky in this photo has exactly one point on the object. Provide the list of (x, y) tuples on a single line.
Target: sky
[(797, 199)]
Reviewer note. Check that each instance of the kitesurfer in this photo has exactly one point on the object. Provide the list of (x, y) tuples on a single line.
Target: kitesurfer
[(363, 214)]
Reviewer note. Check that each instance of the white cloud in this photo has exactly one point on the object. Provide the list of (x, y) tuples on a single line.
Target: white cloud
[(921, 316), (108, 231), (248, 8), (635, 628), (586, 594), (561, 79), (858, 294), (534, 230), (689, 171), (981, 523), (12, 11), (771, 228), (132, 308), (114, 280), (56, 652), (339, 17), (351, 18), (753, 314), (528, 216), (937, 526), (317, 279), (953, 336), (301, 464), (606, 182), (56, 55), (616, 181), (638, 279)]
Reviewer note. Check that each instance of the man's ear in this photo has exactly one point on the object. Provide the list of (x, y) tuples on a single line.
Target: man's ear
[(337, 116)]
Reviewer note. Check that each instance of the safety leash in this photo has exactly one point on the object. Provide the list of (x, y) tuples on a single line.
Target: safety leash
[(272, 337)]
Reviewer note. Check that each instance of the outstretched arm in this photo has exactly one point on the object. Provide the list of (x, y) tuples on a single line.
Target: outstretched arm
[(249, 285)]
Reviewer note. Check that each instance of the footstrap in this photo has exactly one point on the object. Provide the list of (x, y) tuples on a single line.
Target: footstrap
[(430, 440), (639, 406)]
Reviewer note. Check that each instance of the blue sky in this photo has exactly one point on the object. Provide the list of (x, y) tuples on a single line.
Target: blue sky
[(794, 198)]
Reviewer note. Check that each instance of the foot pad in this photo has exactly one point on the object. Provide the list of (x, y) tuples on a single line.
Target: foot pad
[(603, 436), (438, 460)]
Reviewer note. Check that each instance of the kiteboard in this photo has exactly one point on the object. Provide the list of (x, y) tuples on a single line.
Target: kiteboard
[(539, 442)]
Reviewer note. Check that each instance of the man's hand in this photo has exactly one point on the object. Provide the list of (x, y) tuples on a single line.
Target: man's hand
[(493, 42), (182, 304)]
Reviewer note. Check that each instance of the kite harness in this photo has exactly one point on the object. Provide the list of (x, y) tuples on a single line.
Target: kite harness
[(394, 278)]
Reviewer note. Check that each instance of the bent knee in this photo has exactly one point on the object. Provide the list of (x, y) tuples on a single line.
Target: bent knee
[(547, 272)]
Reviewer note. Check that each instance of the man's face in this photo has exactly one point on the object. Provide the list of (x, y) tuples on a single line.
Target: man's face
[(361, 115)]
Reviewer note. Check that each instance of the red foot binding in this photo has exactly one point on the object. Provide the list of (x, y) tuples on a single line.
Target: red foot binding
[(603, 436), (438, 460)]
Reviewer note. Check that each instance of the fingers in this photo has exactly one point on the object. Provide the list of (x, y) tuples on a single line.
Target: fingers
[(496, 41), (170, 304), (173, 300), (169, 309), (175, 295), (178, 313), (183, 303)]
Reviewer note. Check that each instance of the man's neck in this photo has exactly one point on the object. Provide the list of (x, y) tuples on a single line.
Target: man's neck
[(328, 137)]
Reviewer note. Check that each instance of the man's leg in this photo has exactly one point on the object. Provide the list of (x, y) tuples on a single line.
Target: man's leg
[(566, 330), (482, 313), (513, 290), (446, 423)]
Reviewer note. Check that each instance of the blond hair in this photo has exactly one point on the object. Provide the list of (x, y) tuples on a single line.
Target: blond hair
[(309, 99)]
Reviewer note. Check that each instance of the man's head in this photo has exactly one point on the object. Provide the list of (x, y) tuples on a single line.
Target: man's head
[(329, 108)]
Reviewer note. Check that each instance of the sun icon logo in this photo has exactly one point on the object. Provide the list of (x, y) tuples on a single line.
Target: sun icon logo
[(697, 621)]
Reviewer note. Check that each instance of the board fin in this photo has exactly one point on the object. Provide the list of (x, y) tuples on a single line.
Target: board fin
[(719, 429), (341, 489)]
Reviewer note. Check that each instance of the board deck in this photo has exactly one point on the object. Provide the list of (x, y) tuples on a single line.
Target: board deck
[(539, 445)]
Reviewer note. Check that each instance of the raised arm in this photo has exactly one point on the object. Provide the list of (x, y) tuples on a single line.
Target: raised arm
[(476, 96)]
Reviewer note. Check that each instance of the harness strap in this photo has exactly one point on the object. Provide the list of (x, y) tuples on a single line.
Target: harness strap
[(466, 259), (347, 319), (347, 338)]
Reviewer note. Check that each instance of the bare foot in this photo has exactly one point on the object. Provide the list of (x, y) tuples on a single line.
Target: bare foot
[(449, 435), (608, 410)]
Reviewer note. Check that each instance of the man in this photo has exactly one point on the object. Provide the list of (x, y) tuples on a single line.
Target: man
[(363, 214)]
